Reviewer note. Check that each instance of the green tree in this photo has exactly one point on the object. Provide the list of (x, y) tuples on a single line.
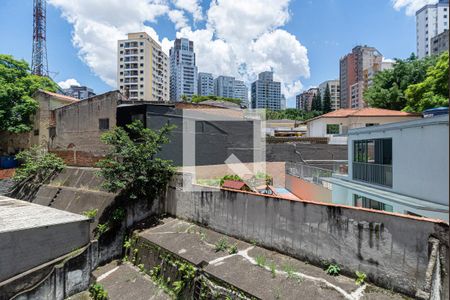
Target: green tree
[(316, 104), (131, 165), (389, 86), (327, 100), (290, 114), (17, 85), (433, 91)]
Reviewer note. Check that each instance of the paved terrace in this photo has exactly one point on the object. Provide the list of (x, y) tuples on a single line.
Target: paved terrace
[(259, 272)]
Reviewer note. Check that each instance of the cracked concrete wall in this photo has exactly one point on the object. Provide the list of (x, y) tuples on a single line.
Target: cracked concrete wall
[(392, 250)]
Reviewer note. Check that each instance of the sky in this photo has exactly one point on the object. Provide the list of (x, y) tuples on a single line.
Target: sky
[(300, 40)]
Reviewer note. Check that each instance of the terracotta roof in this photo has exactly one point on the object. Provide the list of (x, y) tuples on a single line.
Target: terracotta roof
[(233, 184), (60, 97), (364, 112)]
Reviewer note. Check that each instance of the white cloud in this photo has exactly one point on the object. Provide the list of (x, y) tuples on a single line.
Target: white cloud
[(177, 17), (411, 6), (191, 6), (240, 38), (67, 83)]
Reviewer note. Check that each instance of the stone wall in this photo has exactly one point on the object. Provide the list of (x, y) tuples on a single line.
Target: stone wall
[(393, 250)]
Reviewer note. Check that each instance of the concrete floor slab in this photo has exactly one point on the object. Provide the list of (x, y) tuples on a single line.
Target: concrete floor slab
[(281, 276), (124, 281)]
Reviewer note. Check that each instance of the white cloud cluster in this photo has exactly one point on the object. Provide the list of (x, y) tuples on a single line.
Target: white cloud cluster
[(67, 83), (411, 6), (240, 38)]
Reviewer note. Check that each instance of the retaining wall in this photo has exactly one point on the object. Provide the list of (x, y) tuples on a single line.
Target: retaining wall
[(392, 250)]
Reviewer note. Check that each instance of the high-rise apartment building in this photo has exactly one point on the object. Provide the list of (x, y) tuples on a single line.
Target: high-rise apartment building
[(223, 86), (79, 92), (439, 43), (431, 20), (205, 84), (240, 91), (358, 66), (142, 68), (266, 93), (334, 87), (183, 70), (229, 87), (304, 99)]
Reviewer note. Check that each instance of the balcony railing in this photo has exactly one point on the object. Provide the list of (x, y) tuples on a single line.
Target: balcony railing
[(373, 173)]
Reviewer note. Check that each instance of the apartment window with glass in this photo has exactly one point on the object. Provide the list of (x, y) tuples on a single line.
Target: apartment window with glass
[(332, 128), (361, 201), (372, 161)]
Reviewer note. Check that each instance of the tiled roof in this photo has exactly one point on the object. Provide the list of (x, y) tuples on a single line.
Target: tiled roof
[(364, 112), (60, 97), (233, 184)]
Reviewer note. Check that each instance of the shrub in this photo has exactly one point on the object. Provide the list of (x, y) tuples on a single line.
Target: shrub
[(233, 249), (37, 163), (333, 270), (97, 292), (360, 277), (91, 213), (221, 245)]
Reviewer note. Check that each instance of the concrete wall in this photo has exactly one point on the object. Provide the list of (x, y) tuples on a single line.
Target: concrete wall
[(77, 124), (392, 250), (420, 160)]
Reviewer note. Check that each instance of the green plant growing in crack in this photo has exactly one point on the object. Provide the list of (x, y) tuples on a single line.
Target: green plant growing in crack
[(91, 213), (141, 268), (221, 245), (97, 292), (260, 261), (101, 229), (360, 278), (202, 236), (273, 270), (233, 249), (333, 270)]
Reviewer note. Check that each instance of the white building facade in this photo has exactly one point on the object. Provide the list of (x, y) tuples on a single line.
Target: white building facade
[(205, 84), (398, 167), (142, 68), (183, 70), (431, 20)]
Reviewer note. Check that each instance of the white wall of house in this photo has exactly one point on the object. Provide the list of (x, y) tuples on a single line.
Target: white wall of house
[(420, 160), (318, 127)]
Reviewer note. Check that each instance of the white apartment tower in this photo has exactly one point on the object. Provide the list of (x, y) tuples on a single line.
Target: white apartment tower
[(431, 20), (142, 68), (183, 70)]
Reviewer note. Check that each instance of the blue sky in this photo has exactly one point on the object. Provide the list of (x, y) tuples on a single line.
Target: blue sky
[(328, 29)]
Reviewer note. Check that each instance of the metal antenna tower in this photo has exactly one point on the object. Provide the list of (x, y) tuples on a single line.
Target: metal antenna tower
[(39, 64)]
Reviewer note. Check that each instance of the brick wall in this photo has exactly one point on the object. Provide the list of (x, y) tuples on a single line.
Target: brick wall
[(78, 158)]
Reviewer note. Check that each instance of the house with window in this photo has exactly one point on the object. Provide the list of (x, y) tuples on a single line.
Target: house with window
[(336, 124), (398, 167)]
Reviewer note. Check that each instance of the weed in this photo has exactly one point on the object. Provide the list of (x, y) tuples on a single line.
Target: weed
[(289, 271), (97, 292), (118, 215), (273, 269), (202, 236), (102, 228), (333, 270), (221, 245), (91, 213), (260, 260), (233, 249), (361, 278), (141, 268)]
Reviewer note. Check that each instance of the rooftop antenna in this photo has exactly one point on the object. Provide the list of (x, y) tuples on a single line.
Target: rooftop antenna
[(39, 63)]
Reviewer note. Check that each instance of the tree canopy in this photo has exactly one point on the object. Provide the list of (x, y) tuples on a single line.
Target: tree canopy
[(431, 92), (17, 86), (316, 104), (326, 100), (388, 89), (291, 114), (198, 99)]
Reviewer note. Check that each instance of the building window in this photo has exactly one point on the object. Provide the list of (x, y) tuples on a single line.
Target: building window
[(371, 124), (103, 124), (141, 43), (142, 50), (332, 128), (361, 201), (372, 161), (36, 132)]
